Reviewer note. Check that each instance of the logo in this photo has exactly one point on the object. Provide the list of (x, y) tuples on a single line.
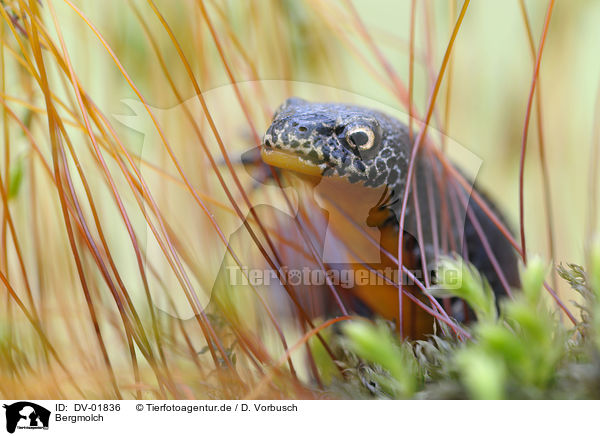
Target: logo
[(335, 219), (26, 415)]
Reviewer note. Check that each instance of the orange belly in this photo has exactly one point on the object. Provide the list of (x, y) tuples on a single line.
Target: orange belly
[(355, 205), (383, 298)]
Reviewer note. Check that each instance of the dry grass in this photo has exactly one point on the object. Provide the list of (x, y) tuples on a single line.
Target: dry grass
[(110, 238)]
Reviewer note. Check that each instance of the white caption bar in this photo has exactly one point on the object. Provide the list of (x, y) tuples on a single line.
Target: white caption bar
[(149, 417)]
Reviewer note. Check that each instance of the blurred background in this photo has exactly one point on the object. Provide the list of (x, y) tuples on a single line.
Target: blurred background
[(101, 176), (322, 43)]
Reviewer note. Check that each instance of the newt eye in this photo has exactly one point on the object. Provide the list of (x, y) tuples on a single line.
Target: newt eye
[(361, 137)]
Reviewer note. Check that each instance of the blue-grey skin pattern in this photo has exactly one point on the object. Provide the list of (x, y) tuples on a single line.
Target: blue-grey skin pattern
[(319, 133)]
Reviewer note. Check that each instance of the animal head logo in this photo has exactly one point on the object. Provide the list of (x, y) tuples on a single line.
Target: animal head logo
[(193, 183), (26, 415)]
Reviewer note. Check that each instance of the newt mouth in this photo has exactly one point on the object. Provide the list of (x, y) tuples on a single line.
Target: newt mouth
[(290, 161)]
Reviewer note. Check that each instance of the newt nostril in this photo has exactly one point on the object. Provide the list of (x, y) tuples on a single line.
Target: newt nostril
[(268, 141)]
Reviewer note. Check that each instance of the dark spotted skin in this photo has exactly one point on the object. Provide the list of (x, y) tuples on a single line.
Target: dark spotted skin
[(319, 133)]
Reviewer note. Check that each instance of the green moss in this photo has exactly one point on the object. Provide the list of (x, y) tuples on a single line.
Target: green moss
[(524, 351)]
